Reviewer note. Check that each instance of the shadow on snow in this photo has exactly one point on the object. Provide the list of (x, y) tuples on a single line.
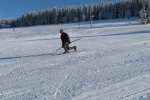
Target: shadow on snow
[(40, 55)]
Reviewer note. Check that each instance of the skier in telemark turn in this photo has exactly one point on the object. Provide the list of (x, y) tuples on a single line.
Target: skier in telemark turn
[(66, 41)]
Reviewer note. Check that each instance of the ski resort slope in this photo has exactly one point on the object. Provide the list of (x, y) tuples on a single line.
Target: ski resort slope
[(112, 62)]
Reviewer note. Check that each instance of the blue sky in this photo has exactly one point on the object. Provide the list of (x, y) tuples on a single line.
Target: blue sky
[(14, 8)]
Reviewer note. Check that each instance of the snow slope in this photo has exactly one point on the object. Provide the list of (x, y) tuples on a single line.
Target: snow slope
[(112, 62)]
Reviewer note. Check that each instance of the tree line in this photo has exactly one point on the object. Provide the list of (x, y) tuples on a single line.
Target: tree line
[(99, 11)]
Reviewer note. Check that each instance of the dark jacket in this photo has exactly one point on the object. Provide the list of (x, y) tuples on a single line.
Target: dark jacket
[(65, 38)]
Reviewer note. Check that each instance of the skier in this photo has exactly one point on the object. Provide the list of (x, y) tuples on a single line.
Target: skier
[(66, 41)]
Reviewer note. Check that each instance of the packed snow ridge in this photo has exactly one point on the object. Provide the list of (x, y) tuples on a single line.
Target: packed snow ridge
[(112, 62)]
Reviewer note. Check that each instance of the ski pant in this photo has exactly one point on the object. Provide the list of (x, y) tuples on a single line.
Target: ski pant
[(66, 47)]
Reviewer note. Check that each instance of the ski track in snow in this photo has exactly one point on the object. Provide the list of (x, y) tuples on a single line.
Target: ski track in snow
[(112, 62)]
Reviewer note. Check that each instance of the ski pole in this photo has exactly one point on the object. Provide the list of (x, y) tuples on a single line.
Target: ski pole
[(59, 49), (75, 40)]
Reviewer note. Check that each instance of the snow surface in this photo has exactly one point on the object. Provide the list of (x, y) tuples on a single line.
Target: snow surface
[(112, 62)]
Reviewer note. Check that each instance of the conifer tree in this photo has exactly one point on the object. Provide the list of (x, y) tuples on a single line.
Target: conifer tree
[(148, 12), (0, 25), (143, 15), (128, 13), (145, 12)]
